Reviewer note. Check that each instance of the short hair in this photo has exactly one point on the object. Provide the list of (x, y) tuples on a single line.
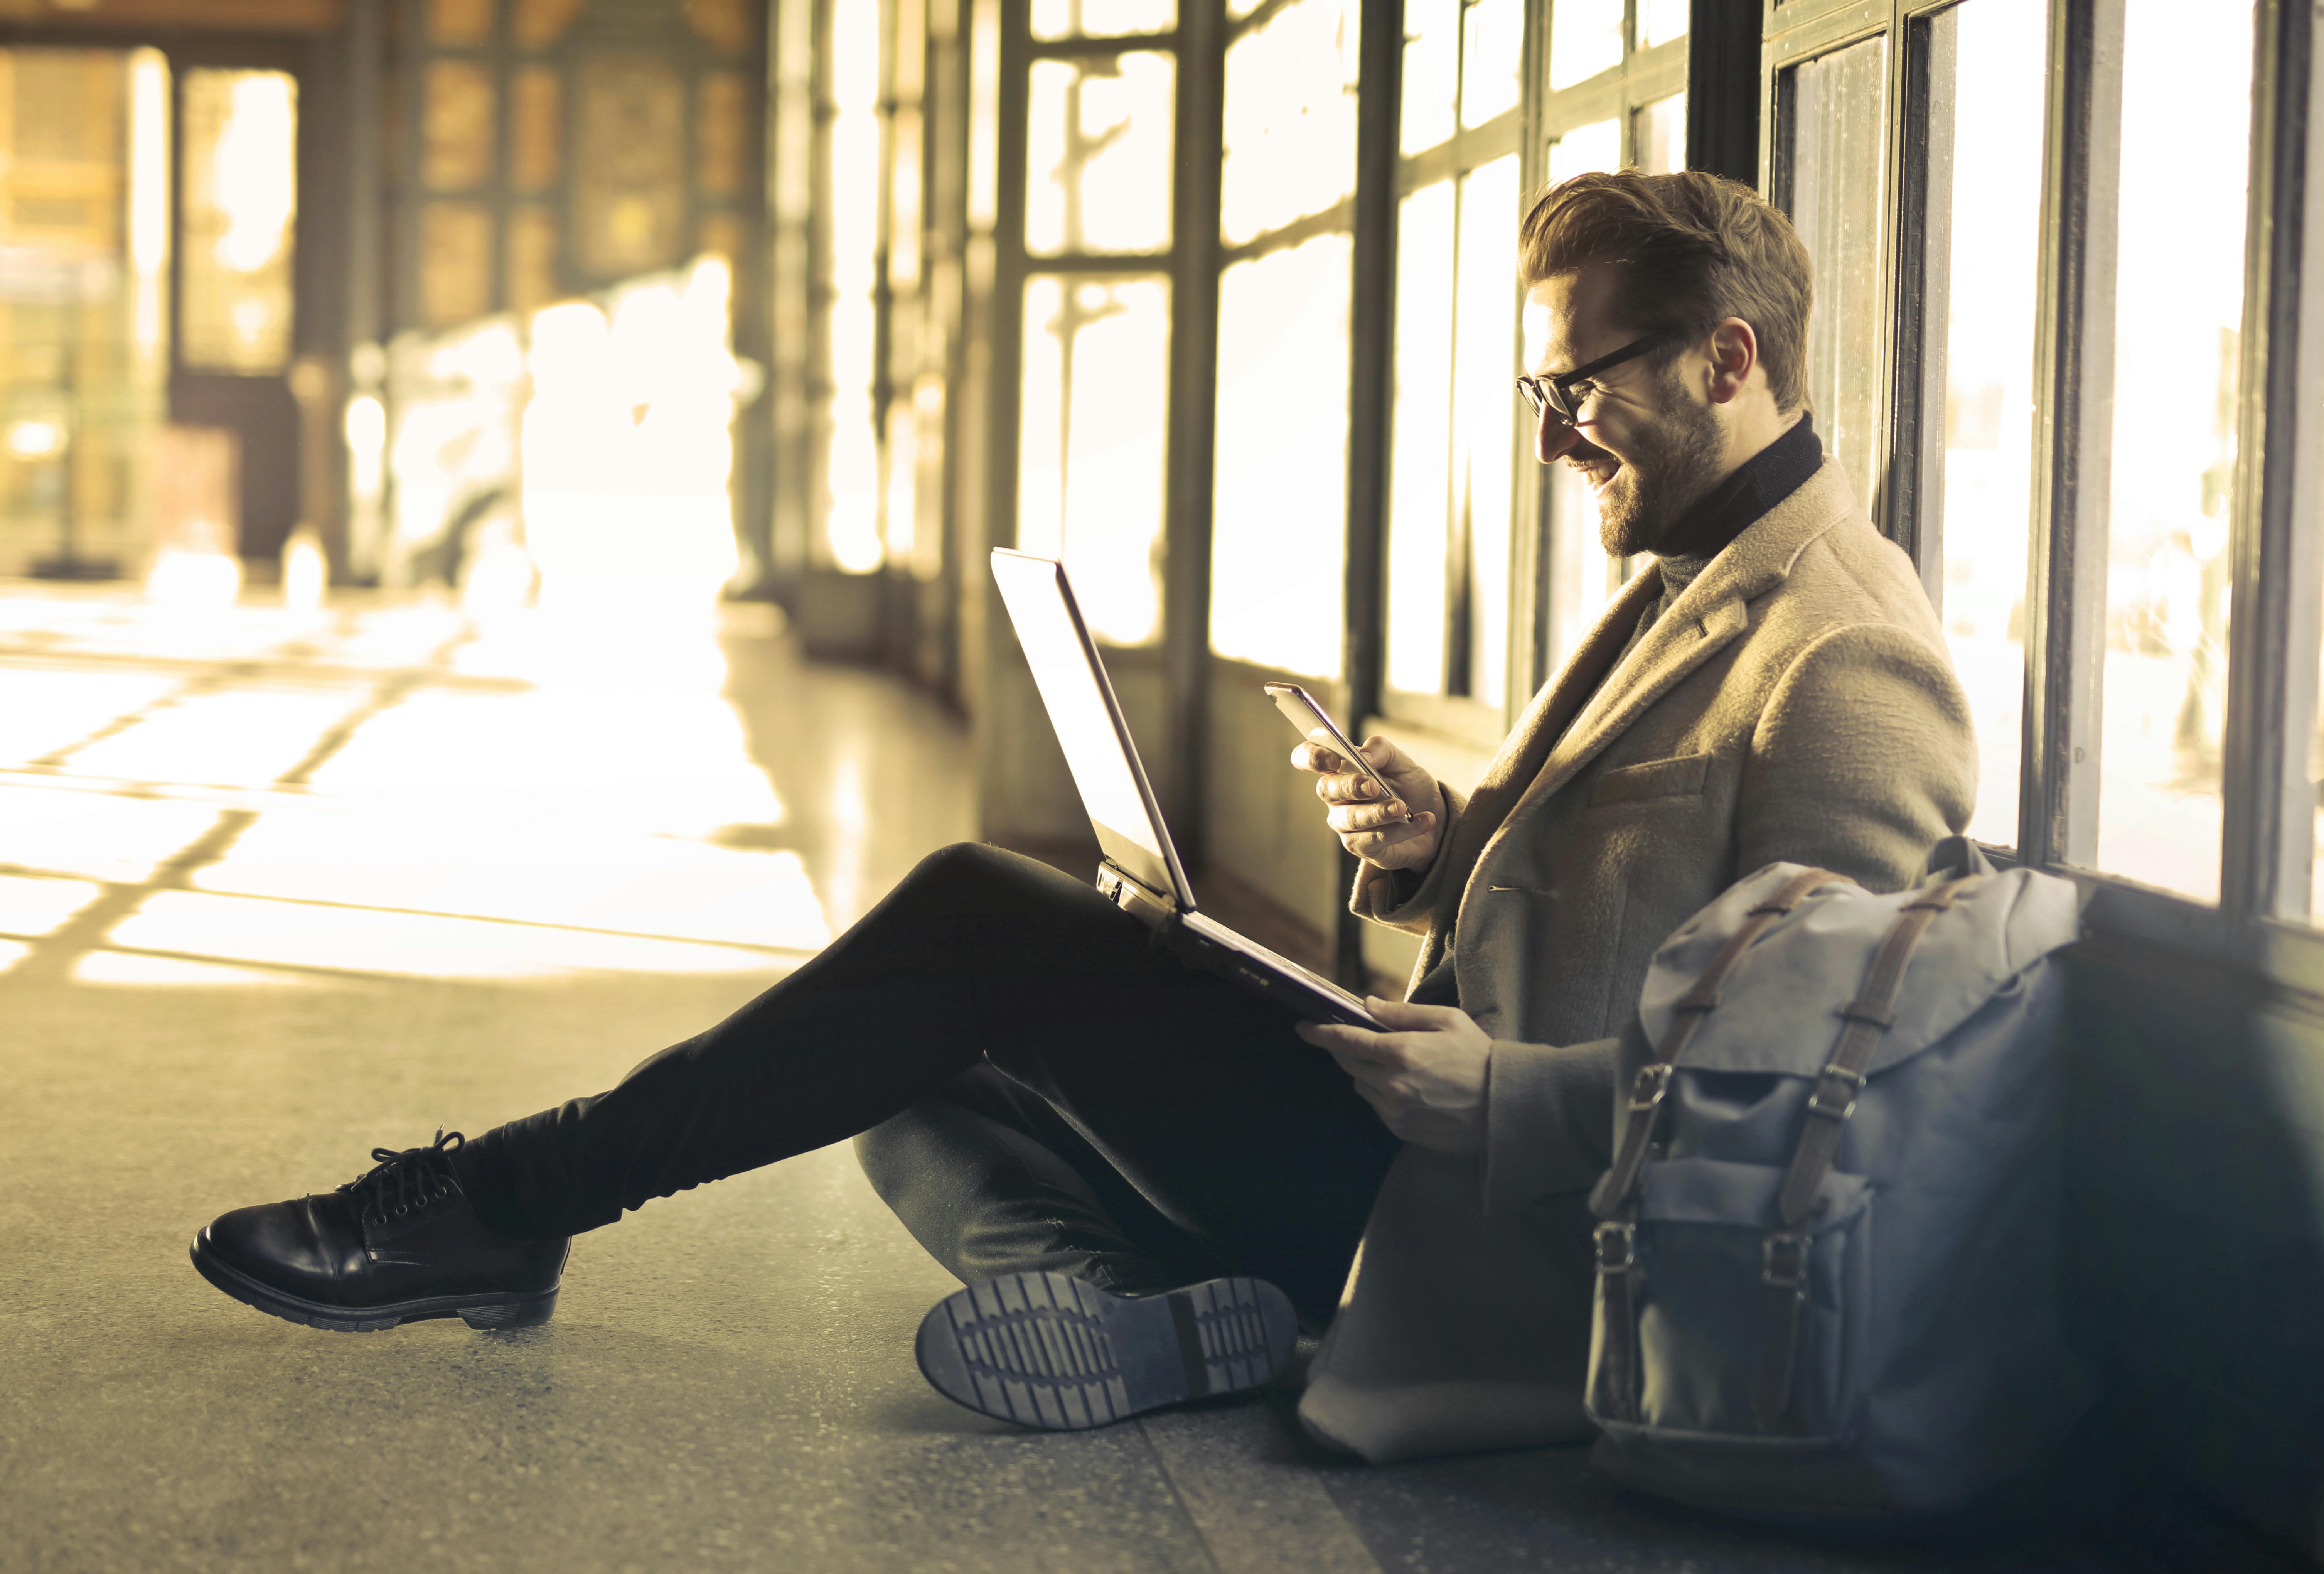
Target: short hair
[(1691, 250)]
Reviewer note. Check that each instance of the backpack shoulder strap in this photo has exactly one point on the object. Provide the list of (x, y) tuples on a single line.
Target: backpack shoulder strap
[(1615, 1382), (1784, 1255), (1653, 1081)]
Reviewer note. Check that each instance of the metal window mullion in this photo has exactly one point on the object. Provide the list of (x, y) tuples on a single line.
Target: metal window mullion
[(1371, 369), (2073, 393), (1922, 180), (1529, 631), (1009, 268), (1199, 131), (2267, 843)]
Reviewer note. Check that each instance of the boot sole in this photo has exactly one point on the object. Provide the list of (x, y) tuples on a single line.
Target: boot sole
[(1044, 1350), (523, 1309)]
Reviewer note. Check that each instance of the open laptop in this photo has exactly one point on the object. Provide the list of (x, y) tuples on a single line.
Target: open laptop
[(1141, 873)]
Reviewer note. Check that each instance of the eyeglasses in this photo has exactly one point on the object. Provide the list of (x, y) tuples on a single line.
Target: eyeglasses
[(1554, 391)]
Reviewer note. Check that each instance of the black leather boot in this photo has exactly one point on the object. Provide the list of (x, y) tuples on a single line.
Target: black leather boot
[(1060, 1354), (401, 1245)]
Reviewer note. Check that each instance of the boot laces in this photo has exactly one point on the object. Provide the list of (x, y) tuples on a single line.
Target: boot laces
[(401, 1182)]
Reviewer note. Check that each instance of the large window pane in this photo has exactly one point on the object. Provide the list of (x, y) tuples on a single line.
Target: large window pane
[(1986, 170), (2186, 113), (1290, 118), (1484, 428), (1579, 577), (1054, 19), (1098, 154), (1420, 462), (1661, 20), (1090, 445), (1493, 43), (240, 198), (1279, 510), (851, 460), (1432, 72), (1091, 433), (1837, 171), (1585, 38), (1660, 134)]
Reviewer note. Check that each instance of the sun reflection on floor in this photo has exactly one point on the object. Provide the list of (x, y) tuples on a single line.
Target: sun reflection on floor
[(379, 787)]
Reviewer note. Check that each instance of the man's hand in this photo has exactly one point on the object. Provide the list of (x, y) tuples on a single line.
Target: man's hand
[(1427, 1076), (1375, 831)]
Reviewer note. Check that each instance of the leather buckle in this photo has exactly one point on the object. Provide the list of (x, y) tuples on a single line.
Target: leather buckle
[(1647, 1092), (1784, 1262), (1853, 1083), (1617, 1247)]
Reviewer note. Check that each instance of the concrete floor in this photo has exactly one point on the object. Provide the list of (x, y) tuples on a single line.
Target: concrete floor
[(280, 886)]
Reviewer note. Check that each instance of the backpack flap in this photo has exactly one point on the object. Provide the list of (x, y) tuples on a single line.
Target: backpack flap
[(1782, 1008)]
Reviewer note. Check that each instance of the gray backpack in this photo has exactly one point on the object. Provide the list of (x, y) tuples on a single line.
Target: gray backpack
[(1826, 1277)]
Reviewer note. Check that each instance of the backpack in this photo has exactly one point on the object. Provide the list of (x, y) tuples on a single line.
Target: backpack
[(1827, 1275)]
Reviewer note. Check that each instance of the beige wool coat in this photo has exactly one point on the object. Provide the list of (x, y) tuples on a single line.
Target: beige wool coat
[(1795, 702)]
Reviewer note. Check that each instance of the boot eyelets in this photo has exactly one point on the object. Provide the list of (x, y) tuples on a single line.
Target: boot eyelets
[(400, 1212)]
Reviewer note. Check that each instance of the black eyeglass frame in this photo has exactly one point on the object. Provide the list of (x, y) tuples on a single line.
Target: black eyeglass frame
[(1553, 391)]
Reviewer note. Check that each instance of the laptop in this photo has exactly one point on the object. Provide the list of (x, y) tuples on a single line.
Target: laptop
[(1141, 873)]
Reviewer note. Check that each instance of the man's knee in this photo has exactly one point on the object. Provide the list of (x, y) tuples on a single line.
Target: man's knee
[(978, 877), (890, 1153)]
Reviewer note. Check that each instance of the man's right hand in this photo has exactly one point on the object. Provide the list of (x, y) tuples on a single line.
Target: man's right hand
[(1374, 831)]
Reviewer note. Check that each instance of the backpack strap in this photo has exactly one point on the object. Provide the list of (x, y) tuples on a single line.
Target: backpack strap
[(1613, 1201), (1784, 1255)]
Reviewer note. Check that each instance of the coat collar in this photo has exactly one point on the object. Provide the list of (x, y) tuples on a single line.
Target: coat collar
[(1585, 707)]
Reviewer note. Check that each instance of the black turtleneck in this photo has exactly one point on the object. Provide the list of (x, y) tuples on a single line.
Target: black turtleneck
[(1763, 480), (1726, 511)]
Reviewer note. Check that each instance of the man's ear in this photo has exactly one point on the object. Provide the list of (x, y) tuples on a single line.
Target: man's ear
[(1734, 352)]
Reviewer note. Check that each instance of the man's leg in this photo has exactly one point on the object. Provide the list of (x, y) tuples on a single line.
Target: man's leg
[(991, 1180), (1090, 1298), (976, 950)]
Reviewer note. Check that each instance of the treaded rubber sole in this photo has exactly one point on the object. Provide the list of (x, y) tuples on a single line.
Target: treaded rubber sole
[(1048, 1351), (525, 1309)]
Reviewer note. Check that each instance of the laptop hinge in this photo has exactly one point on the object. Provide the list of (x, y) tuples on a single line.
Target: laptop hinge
[(1142, 902)]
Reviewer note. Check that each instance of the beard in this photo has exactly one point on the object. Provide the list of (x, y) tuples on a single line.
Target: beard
[(1671, 466)]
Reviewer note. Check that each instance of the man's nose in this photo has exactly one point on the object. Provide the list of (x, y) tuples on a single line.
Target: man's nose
[(1553, 437)]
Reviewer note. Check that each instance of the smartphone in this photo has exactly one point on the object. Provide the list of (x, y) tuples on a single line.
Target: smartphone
[(1300, 709)]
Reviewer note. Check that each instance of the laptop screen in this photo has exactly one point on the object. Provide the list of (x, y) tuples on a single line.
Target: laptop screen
[(1080, 706)]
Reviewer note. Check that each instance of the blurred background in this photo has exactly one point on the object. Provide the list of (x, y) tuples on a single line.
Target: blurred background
[(494, 501)]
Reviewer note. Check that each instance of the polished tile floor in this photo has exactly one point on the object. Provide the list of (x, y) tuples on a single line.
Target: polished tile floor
[(279, 886)]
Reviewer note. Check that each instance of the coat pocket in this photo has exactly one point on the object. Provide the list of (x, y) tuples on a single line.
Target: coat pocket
[(1681, 777)]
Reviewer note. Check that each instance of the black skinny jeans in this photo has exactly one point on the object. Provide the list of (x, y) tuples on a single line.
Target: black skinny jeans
[(1032, 1084)]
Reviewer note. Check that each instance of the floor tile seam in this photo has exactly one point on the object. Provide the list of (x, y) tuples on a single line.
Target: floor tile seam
[(86, 930), (149, 887), (232, 672), (192, 688), (1178, 1498)]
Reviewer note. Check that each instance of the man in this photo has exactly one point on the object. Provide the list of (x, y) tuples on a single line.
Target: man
[(1081, 1129)]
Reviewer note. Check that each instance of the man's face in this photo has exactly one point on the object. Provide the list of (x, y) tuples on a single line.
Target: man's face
[(1647, 444)]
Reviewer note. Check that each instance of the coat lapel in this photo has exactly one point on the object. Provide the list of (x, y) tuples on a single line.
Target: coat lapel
[(1585, 707), (1521, 755)]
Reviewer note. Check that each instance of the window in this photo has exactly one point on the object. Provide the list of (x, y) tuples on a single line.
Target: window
[(1608, 106), (850, 538), (1831, 118), (2186, 118), (1454, 428), (1980, 277), (240, 198), (1096, 376), (1280, 457), (2037, 352)]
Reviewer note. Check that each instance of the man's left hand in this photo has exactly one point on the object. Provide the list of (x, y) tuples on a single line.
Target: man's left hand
[(1425, 1075)]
